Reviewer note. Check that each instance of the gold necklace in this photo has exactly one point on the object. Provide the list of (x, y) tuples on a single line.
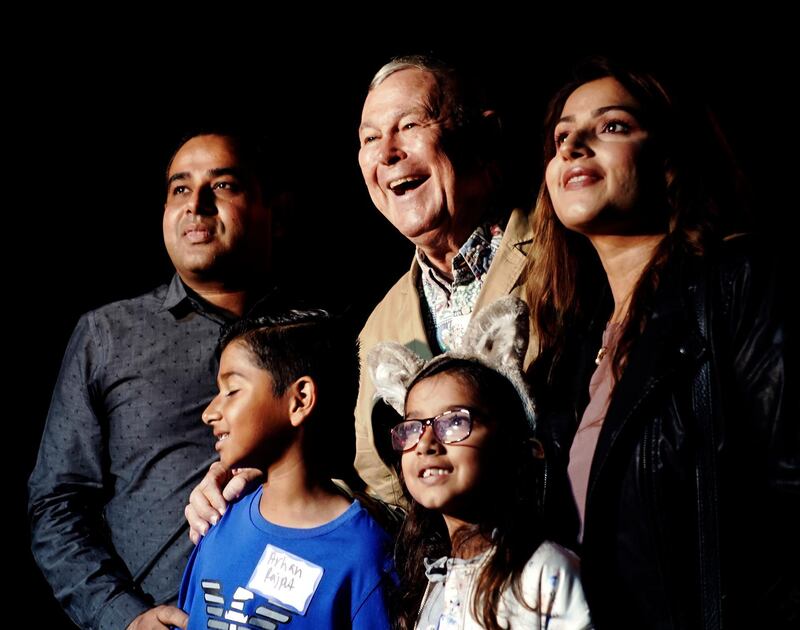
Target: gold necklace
[(607, 335)]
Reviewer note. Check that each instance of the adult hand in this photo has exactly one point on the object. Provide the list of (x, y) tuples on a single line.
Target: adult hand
[(208, 501), (160, 618)]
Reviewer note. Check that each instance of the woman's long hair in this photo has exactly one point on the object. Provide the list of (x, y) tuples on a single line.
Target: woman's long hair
[(696, 168), (510, 520)]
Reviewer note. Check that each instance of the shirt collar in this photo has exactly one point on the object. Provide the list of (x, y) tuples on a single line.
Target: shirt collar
[(473, 259), (176, 294), (181, 299), (438, 570)]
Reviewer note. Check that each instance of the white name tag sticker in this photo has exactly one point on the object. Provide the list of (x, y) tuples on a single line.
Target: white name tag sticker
[(285, 579)]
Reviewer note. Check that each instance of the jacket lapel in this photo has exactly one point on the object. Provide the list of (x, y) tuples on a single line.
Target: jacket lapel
[(509, 262), (409, 315), (669, 343)]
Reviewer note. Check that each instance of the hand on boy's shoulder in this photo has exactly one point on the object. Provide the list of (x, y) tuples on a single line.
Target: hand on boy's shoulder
[(241, 482), (160, 618), (209, 500)]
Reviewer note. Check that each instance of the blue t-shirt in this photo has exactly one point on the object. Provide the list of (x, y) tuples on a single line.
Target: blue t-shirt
[(249, 573)]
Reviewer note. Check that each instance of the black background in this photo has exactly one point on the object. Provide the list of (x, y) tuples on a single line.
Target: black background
[(94, 119)]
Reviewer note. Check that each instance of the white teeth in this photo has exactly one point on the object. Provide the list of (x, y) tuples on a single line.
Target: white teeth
[(224, 436), (578, 178), (430, 472), (400, 182)]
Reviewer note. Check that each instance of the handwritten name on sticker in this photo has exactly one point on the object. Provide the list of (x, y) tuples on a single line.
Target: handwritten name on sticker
[(285, 579)]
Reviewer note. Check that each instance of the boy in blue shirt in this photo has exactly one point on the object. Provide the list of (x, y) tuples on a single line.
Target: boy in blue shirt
[(296, 552)]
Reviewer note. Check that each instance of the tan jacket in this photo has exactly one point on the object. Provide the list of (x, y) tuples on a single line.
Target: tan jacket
[(398, 317)]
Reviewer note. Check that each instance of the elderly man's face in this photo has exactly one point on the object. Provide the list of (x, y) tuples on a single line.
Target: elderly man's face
[(410, 178)]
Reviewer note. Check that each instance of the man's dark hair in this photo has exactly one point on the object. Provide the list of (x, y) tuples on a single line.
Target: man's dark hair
[(250, 147)]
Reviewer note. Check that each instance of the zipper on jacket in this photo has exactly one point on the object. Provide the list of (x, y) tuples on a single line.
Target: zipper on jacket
[(425, 596)]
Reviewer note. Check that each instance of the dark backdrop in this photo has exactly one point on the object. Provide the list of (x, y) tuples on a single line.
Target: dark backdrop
[(95, 118)]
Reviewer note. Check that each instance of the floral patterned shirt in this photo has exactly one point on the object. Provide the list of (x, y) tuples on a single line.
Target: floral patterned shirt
[(451, 302)]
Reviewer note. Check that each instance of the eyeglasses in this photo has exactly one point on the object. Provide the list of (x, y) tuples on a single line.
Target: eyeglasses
[(453, 425)]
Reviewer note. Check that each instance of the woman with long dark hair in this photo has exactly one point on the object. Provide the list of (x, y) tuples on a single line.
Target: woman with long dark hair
[(664, 372)]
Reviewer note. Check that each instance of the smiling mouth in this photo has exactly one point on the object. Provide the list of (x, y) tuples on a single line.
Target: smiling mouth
[(405, 184), (434, 472), (580, 178)]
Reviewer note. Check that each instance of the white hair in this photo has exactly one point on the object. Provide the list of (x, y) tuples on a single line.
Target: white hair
[(440, 70)]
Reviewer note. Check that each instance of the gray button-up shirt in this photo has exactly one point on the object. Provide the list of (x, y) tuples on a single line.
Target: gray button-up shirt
[(122, 448)]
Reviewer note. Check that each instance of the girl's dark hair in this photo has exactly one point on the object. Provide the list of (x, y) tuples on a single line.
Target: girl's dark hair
[(295, 343), (509, 521), (691, 175)]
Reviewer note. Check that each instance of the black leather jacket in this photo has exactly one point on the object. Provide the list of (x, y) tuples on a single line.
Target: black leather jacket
[(642, 553)]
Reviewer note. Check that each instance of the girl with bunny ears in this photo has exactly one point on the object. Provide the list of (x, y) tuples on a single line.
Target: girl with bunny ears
[(471, 553)]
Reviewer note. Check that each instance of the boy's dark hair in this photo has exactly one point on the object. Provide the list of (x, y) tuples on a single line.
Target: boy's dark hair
[(295, 343)]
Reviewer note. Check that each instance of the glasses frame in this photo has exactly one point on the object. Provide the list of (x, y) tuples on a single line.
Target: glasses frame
[(431, 422)]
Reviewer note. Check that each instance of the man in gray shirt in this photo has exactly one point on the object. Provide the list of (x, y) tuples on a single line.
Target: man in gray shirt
[(123, 444)]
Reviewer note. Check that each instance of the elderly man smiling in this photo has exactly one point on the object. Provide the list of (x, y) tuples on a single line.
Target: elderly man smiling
[(429, 156)]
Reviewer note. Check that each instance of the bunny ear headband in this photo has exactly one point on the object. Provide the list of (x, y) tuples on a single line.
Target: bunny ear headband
[(497, 337)]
